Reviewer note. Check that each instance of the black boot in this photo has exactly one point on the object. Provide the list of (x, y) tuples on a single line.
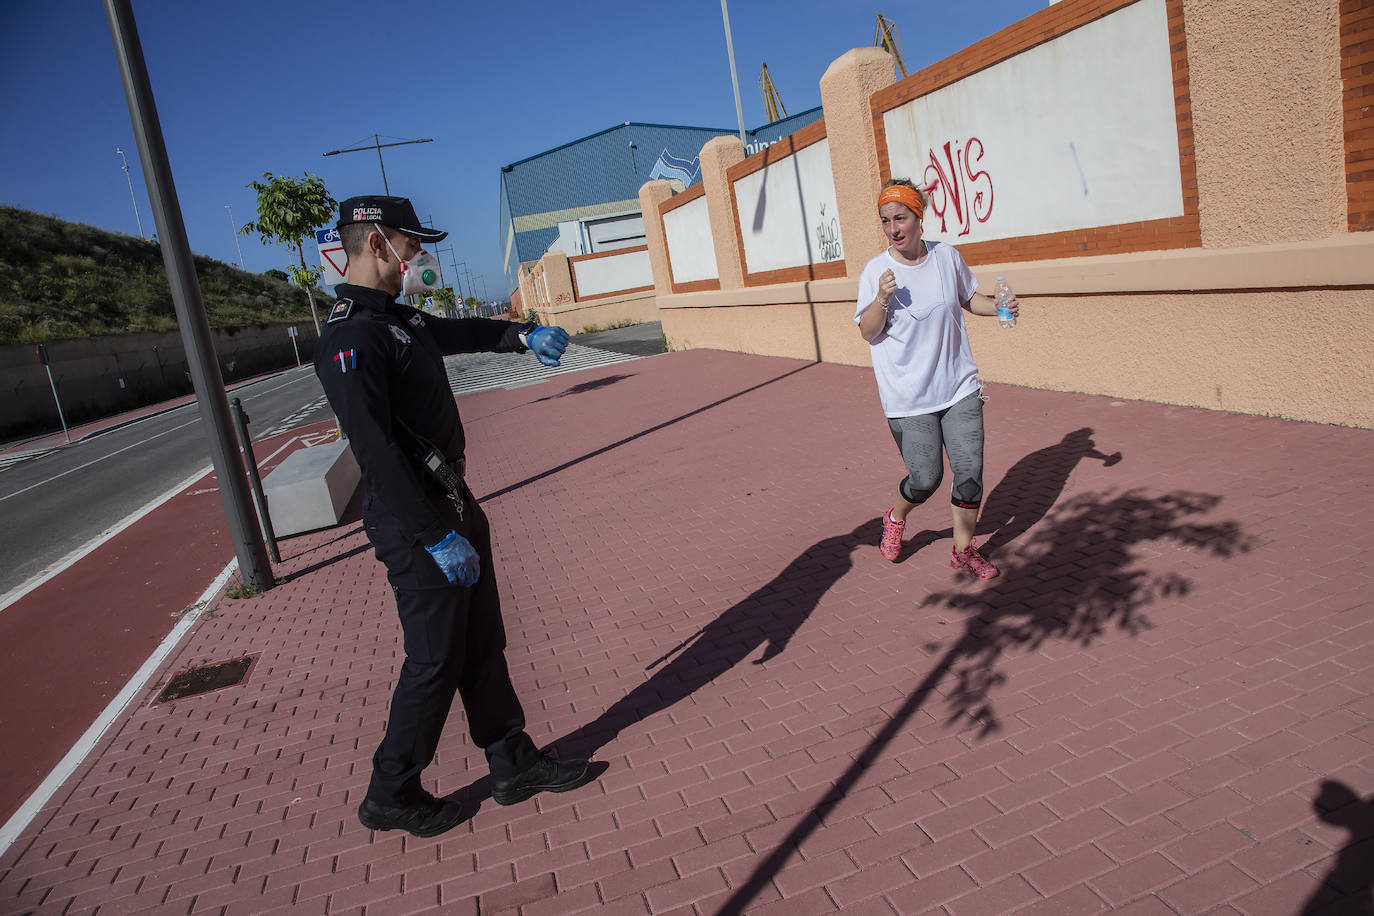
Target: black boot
[(426, 817), (544, 775)]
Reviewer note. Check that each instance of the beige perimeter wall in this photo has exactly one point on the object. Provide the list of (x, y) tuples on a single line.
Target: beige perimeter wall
[(1266, 307)]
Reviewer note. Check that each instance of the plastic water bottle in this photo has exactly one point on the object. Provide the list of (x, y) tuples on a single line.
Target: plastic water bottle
[(1003, 292)]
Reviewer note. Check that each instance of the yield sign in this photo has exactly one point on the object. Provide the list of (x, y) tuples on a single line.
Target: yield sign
[(332, 257)]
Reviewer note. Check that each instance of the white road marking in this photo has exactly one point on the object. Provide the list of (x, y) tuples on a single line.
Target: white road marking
[(41, 483)]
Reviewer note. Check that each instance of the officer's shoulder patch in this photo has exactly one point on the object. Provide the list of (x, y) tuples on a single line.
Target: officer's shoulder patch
[(340, 312)]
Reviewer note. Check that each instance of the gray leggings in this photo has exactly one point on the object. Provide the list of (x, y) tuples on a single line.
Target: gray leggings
[(959, 429)]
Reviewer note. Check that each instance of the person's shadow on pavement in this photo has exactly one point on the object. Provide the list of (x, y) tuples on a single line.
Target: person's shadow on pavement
[(1349, 887), (768, 617), (1024, 494), (1032, 486)]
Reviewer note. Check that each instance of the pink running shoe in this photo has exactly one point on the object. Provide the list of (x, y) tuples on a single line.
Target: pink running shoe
[(891, 545), (973, 561)]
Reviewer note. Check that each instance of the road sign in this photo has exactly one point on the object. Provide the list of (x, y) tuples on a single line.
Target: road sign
[(332, 257)]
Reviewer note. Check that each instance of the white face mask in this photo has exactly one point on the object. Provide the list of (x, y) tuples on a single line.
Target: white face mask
[(418, 275)]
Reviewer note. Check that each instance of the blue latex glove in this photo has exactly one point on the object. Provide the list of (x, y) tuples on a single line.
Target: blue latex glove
[(548, 344), (457, 560)]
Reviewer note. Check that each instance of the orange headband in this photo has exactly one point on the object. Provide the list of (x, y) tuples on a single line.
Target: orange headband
[(907, 197)]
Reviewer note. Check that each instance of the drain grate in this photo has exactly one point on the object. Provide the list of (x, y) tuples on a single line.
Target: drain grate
[(206, 679)]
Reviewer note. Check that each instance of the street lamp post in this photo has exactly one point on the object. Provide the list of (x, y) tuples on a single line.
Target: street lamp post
[(734, 80), (244, 529), (138, 218), (234, 230)]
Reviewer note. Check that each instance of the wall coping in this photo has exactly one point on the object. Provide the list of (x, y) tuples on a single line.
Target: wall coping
[(1342, 261)]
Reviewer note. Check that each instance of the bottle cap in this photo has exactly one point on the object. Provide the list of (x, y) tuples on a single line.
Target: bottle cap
[(1001, 278)]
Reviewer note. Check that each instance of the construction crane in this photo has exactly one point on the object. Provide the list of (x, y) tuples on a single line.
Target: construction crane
[(772, 102), (886, 38)]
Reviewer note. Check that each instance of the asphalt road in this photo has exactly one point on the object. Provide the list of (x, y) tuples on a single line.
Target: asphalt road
[(59, 501)]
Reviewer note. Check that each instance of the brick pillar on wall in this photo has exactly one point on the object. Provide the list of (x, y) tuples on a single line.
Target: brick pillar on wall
[(652, 194), (558, 286), (846, 87), (528, 300), (717, 156)]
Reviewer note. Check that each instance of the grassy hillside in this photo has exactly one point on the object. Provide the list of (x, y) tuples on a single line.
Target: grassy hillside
[(61, 280)]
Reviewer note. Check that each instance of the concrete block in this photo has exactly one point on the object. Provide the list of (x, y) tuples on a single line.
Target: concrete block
[(311, 488)]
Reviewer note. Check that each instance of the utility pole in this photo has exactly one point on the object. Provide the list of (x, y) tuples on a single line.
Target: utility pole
[(213, 404), (377, 144), (457, 279), (234, 229), (131, 193)]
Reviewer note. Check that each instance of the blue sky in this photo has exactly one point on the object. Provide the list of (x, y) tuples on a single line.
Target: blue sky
[(249, 86)]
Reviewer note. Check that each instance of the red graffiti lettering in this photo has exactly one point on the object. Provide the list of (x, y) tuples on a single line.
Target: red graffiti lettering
[(950, 183)]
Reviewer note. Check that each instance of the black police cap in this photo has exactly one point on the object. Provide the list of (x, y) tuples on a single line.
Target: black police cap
[(395, 212)]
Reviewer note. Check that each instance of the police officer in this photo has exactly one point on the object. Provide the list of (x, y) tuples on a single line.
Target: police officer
[(382, 368)]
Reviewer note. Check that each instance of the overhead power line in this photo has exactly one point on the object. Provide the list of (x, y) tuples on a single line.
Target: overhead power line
[(378, 145)]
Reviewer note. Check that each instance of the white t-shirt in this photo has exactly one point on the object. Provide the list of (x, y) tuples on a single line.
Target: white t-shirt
[(922, 360)]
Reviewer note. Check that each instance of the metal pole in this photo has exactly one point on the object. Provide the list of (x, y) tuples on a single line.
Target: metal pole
[(378, 140), (734, 80), (138, 218), (251, 462), (236, 236), (254, 568), (59, 403)]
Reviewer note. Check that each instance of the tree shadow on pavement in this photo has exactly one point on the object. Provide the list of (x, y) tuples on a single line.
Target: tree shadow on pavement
[(1348, 889), (1077, 578)]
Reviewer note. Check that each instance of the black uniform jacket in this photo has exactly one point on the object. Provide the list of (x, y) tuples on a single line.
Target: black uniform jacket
[(381, 362)]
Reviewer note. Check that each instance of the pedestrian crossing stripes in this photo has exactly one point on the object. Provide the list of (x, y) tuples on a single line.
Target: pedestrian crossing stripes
[(299, 418), (469, 373), (16, 457)]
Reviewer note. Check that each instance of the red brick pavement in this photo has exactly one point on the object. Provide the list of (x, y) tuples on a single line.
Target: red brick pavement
[(1163, 705)]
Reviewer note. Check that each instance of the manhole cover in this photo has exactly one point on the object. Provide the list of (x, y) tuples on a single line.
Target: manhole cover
[(206, 679)]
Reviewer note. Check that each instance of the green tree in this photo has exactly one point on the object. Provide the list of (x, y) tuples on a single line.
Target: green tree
[(446, 298), (289, 211)]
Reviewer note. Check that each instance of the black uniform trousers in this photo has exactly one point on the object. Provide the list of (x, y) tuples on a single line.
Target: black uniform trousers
[(455, 642)]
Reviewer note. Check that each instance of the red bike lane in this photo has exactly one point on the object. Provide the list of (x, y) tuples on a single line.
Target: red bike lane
[(73, 642)]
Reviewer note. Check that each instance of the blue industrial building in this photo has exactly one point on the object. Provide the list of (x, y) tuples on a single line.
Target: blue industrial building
[(599, 177)]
